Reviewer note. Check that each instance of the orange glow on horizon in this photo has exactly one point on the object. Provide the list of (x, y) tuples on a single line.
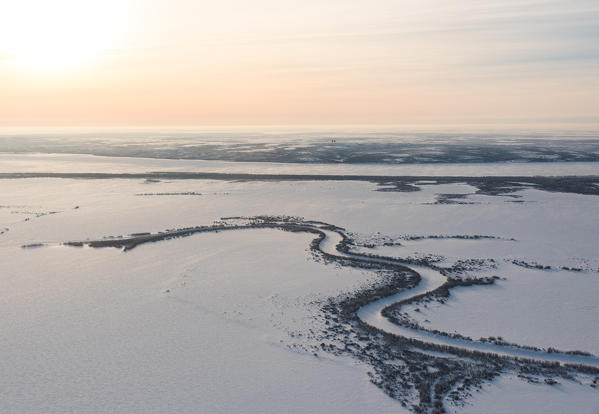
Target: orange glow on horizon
[(186, 62)]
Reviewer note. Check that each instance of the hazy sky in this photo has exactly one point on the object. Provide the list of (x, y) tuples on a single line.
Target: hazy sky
[(183, 62)]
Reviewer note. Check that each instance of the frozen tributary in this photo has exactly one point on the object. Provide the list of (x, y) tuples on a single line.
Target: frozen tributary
[(431, 280)]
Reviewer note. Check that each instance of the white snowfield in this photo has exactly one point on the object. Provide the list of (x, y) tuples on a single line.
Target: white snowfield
[(203, 323), (66, 163), (191, 325), (509, 394)]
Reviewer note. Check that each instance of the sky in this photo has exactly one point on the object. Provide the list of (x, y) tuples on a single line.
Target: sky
[(284, 62)]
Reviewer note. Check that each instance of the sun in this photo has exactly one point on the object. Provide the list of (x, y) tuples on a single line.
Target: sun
[(56, 35)]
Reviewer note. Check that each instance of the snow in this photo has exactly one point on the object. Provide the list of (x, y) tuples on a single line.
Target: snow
[(196, 324), (88, 330), (65, 163), (509, 394)]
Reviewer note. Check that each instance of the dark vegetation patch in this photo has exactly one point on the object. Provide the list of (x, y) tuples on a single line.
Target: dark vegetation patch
[(453, 199), (186, 193), (457, 236), (33, 214), (32, 245), (372, 241), (535, 265)]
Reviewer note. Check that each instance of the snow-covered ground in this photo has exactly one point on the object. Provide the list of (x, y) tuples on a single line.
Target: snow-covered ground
[(67, 163), (193, 325), (510, 394), (196, 324)]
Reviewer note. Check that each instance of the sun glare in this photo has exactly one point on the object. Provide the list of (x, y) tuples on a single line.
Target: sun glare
[(47, 36)]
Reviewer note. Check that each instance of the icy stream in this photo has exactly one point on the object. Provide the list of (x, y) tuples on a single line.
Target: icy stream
[(431, 280)]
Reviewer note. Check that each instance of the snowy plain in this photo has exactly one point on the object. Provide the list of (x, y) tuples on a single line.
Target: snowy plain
[(204, 323), (81, 163)]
